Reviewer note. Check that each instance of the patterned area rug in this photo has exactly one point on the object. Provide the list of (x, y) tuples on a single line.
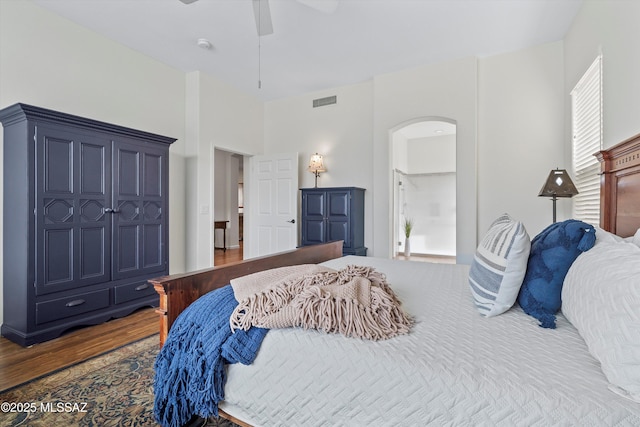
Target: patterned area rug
[(114, 389)]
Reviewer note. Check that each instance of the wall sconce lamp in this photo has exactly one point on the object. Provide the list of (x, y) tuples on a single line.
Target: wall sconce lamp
[(558, 184), (316, 166)]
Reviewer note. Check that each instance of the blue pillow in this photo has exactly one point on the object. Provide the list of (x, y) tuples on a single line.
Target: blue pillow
[(552, 253)]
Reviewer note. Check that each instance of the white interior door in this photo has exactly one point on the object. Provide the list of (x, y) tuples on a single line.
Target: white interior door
[(273, 204)]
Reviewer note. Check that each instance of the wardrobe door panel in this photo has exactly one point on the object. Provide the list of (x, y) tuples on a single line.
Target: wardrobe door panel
[(128, 172), (152, 169), (72, 230), (152, 245), (139, 220), (57, 258), (57, 150), (94, 239), (93, 253), (126, 256)]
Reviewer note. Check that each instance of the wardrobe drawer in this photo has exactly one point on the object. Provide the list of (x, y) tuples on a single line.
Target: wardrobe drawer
[(71, 306), (124, 293)]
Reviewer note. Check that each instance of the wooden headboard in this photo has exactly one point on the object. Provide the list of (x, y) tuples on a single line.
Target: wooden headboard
[(620, 187)]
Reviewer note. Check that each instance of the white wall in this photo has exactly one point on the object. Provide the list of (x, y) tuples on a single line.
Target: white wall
[(610, 28), (341, 132), (399, 151), (51, 62), (218, 116), (520, 135), (443, 90), (434, 154)]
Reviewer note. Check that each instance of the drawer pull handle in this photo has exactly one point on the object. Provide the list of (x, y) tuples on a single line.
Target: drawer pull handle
[(142, 287), (75, 302)]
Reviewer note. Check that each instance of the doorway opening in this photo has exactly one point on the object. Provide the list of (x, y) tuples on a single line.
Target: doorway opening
[(424, 190), (228, 207)]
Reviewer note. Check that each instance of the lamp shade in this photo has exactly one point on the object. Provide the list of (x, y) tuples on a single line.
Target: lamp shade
[(558, 184), (316, 164)]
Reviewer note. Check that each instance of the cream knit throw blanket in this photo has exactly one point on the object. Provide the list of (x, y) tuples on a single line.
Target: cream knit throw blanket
[(355, 301)]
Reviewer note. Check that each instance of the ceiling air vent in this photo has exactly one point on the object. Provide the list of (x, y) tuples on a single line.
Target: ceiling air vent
[(321, 102)]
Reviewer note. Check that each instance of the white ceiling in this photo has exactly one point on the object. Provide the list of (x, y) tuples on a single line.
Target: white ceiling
[(312, 50)]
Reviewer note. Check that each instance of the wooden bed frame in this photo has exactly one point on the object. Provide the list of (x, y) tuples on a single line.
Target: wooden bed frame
[(620, 187), (620, 214), (179, 290)]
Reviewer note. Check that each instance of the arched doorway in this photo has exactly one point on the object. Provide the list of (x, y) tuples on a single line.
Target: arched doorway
[(424, 187)]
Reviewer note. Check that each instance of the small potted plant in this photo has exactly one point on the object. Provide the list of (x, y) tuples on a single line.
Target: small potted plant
[(408, 226)]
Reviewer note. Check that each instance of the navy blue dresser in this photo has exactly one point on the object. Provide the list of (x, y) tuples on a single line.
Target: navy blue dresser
[(336, 213), (85, 221)]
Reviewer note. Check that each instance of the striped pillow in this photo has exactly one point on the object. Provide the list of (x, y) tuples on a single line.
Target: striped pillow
[(499, 266)]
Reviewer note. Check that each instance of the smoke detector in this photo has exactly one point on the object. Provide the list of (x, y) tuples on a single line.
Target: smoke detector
[(204, 44)]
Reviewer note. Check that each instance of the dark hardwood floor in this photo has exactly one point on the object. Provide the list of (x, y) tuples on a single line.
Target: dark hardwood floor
[(221, 257), (19, 364)]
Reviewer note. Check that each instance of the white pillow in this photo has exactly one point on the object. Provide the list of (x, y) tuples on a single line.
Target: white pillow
[(606, 236), (499, 266), (601, 298)]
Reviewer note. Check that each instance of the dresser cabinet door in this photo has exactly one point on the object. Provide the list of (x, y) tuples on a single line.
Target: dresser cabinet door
[(338, 216), (313, 217), (336, 213), (72, 193)]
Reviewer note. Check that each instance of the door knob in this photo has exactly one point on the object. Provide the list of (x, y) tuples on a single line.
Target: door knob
[(111, 210), (292, 221)]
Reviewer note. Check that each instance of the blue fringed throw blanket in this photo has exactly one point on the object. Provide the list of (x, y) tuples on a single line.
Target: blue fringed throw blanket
[(190, 369)]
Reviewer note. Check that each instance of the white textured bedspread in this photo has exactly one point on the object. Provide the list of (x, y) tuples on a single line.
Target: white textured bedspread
[(454, 368)]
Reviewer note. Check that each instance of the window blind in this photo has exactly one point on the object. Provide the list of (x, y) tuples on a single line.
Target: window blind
[(586, 119)]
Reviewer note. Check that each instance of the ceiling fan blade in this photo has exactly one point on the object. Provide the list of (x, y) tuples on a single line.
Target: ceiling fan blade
[(262, 14), (324, 6), (188, 1)]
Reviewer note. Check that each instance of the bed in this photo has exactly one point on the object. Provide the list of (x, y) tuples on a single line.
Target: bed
[(455, 367)]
